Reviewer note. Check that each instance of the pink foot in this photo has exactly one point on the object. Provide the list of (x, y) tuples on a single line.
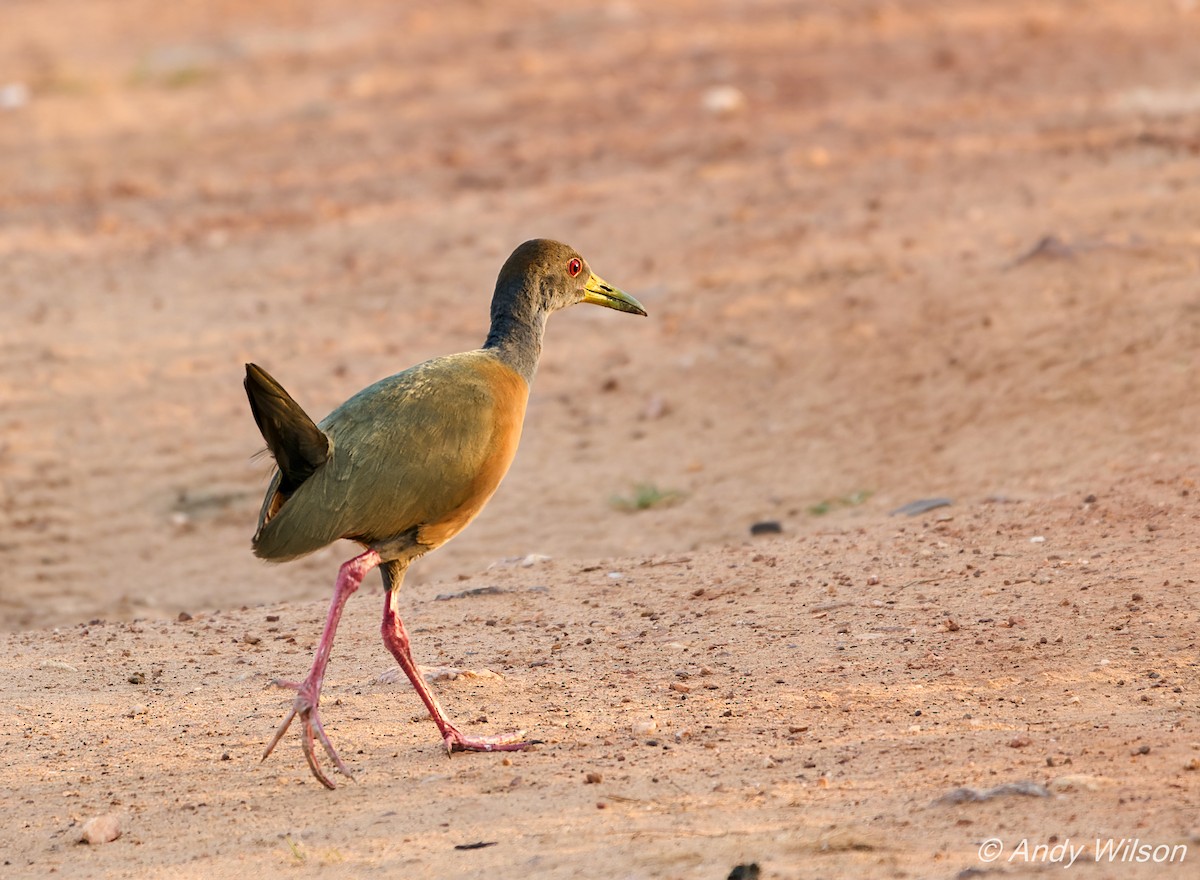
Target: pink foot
[(305, 705), (456, 741)]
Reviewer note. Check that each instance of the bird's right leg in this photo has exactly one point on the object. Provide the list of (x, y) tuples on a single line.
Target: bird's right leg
[(308, 692), (396, 639)]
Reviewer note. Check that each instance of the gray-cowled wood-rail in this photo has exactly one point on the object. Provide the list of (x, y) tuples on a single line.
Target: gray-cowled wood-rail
[(405, 464)]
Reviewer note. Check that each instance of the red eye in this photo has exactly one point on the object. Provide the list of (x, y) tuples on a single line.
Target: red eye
[(574, 266)]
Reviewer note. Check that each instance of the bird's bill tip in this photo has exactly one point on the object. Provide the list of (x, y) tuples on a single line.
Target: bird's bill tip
[(599, 292)]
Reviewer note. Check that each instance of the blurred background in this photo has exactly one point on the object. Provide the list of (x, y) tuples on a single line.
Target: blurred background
[(889, 249)]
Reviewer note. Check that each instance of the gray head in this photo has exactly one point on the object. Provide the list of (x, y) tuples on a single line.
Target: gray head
[(543, 276)]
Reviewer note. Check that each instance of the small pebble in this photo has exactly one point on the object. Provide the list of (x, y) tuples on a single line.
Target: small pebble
[(58, 664), (1078, 782), (921, 505), (641, 728), (101, 829), (744, 871), (1192, 764), (656, 408), (723, 99), (593, 779), (680, 687), (135, 710), (14, 96), (766, 527)]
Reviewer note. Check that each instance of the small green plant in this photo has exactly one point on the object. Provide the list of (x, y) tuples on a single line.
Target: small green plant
[(646, 496), (182, 77), (298, 854), (170, 77), (830, 504)]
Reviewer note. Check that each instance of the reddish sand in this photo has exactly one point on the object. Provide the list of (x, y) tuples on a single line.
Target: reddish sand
[(891, 251)]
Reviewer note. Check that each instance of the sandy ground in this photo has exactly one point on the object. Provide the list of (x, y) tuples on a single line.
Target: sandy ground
[(891, 251)]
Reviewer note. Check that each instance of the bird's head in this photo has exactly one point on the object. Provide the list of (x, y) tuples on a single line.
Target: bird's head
[(549, 276)]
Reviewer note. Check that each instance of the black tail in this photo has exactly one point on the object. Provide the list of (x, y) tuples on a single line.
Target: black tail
[(298, 445)]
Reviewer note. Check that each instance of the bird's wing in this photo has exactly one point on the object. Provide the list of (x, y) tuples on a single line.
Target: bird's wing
[(423, 449), (428, 447)]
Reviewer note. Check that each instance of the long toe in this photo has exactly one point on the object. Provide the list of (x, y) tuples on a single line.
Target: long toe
[(279, 732), (457, 741), (313, 726), (310, 754)]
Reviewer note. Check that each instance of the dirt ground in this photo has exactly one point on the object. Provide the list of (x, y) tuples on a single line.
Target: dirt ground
[(890, 251)]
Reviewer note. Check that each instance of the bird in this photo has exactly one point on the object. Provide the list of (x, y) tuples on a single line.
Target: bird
[(405, 464)]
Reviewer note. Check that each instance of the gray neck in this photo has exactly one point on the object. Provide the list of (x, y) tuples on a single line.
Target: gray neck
[(516, 334)]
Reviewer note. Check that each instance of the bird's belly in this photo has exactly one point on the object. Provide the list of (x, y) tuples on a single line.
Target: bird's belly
[(508, 417)]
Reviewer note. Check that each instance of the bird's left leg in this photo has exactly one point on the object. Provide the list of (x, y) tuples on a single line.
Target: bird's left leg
[(396, 639), (308, 692)]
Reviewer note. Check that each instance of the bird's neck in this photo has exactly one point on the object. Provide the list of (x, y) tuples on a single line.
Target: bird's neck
[(516, 334)]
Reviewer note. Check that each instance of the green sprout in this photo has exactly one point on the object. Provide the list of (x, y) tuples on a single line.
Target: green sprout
[(854, 499), (646, 496)]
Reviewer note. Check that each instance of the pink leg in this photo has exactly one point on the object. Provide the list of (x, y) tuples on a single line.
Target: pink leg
[(396, 639), (308, 692)]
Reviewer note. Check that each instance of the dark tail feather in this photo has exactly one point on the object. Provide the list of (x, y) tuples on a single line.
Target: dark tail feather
[(298, 445)]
